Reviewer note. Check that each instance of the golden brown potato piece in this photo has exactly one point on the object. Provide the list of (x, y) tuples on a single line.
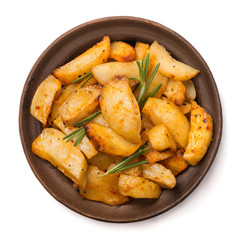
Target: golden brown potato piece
[(67, 158), (175, 92), (102, 161), (47, 91), (153, 157), (160, 111), (161, 138), (190, 90), (159, 174), (122, 52), (141, 50), (80, 104), (145, 123), (108, 141), (82, 64), (134, 171), (176, 163), (185, 107), (120, 109), (169, 66), (138, 187), (200, 135), (103, 189), (66, 92), (105, 72), (85, 145)]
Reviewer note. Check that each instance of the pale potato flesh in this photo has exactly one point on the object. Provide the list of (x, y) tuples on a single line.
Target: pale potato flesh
[(120, 109), (200, 135), (107, 141), (169, 66), (122, 52), (103, 189), (155, 156), (106, 71), (138, 187), (43, 98), (82, 64), (49, 145), (159, 174), (190, 90), (161, 111), (81, 104), (175, 92), (161, 138)]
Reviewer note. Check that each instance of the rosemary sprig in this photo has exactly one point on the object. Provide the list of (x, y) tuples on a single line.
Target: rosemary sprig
[(131, 165), (88, 119), (122, 164), (80, 132), (81, 78), (143, 86)]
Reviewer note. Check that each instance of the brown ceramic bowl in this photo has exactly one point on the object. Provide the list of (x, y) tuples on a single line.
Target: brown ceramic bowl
[(71, 44)]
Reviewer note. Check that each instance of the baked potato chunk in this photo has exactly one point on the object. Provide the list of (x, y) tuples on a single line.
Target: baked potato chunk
[(200, 135), (122, 51), (175, 92), (138, 187), (185, 107), (169, 66), (68, 159), (100, 120), (85, 145), (190, 90), (65, 93), (102, 161), (161, 138), (120, 109), (155, 156), (159, 174), (102, 189), (106, 71), (161, 111), (80, 104), (176, 163), (107, 141), (47, 91), (141, 50), (82, 64)]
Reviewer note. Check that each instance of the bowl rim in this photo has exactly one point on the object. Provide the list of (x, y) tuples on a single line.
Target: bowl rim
[(61, 37)]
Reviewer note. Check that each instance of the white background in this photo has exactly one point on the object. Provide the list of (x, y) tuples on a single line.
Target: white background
[(27, 211)]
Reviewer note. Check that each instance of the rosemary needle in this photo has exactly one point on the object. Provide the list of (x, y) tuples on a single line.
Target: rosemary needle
[(88, 119), (81, 78)]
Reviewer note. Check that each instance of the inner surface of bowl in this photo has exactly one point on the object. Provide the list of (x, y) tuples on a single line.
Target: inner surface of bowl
[(70, 45)]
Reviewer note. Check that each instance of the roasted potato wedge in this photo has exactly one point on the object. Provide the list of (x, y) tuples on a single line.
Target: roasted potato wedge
[(169, 66), (102, 161), (103, 189), (108, 141), (176, 163), (67, 158), (160, 111), (66, 92), (82, 64), (161, 138), (153, 157), (122, 51), (134, 171), (159, 174), (80, 104), (146, 123), (120, 109), (105, 72), (141, 50), (200, 135), (100, 120), (190, 90), (85, 145), (175, 92), (47, 91), (185, 107), (138, 187)]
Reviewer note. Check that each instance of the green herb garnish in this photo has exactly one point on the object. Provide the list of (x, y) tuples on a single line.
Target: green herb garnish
[(81, 78), (122, 165)]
